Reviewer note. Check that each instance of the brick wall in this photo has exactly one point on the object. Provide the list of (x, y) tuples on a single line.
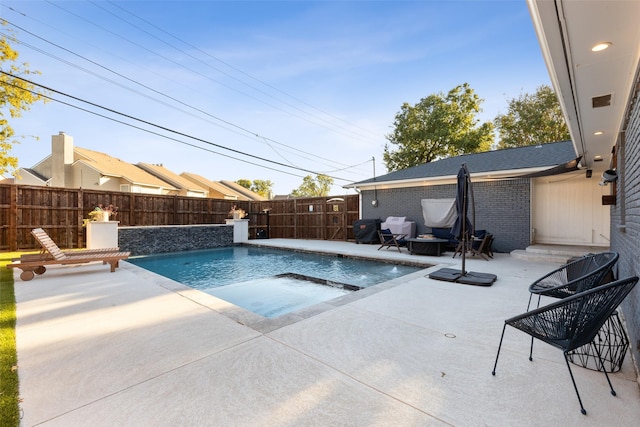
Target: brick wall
[(167, 238), (502, 208), (626, 240)]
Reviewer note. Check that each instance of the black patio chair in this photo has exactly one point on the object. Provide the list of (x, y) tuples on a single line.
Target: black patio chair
[(482, 247), (572, 322), (576, 276), (579, 275), (389, 239)]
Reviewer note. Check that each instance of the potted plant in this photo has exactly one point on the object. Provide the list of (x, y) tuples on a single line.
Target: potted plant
[(237, 213), (103, 212)]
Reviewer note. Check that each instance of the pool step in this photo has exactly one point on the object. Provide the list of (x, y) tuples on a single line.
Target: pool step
[(325, 282), (559, 254)]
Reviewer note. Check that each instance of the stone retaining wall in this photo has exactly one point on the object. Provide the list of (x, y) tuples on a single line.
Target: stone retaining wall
[(174, 238)]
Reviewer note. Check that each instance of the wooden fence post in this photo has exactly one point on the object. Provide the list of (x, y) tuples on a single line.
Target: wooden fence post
[(295, 218), (80, 218), (13, 218)]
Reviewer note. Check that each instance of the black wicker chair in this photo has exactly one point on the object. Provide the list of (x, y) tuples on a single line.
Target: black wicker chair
[(576, 276), (572, 322)]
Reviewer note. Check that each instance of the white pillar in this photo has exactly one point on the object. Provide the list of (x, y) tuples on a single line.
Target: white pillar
[(102, 234), (240, 230)]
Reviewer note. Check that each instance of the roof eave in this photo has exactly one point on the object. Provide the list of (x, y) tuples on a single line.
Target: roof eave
[(446, 179), (559, 73)]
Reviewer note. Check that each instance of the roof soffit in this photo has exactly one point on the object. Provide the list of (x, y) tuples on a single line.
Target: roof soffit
[(567, 29)]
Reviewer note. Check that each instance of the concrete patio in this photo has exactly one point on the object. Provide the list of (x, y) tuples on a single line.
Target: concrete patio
[(133, 349)]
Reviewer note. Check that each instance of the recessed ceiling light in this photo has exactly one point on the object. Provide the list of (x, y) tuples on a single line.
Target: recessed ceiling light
[(598, 132), (600, 46)]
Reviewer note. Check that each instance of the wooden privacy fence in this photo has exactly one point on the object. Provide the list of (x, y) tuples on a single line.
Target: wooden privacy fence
[(61, 212)]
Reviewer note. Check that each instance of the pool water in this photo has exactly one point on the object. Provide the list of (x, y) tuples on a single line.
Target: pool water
[(274, 296), (267, 281)]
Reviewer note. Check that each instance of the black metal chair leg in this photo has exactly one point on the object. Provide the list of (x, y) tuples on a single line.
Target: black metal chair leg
[(613, 392), (537, 306), (531, 351), (566, 359), (499, 347)]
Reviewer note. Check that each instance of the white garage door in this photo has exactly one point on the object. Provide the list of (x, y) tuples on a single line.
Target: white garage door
[(567, 210)]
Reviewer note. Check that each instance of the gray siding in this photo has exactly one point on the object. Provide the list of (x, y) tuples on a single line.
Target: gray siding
[(627, 241), (502, 208)]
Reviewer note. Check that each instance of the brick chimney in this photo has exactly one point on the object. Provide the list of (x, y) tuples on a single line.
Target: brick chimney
[(61, 160)]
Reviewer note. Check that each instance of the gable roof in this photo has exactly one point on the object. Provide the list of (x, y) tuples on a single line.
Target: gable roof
[(35, 174), (215, 187), (511, 162), (251, 195), (111, 166), (144, 175), (172, 178)]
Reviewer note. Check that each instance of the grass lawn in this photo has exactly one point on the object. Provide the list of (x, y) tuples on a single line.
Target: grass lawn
[(9, 398)]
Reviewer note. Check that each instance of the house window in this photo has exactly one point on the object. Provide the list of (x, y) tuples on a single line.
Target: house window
[(125, 188)]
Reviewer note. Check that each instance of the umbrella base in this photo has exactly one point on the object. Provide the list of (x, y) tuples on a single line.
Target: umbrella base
[(469, 278)]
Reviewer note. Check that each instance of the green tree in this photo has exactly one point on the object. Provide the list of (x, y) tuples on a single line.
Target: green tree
[(16, 96), (438, 126), (246, 183), (261, 186), (310, 187), (531, 120)]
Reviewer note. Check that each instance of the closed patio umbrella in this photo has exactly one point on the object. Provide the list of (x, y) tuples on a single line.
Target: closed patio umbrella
[(462, 227), (462, 230)]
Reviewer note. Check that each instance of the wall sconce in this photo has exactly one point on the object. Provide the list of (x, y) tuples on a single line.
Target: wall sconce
[(608, 176)]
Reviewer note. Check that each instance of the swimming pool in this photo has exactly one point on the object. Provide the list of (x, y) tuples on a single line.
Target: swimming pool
[(271, 282)]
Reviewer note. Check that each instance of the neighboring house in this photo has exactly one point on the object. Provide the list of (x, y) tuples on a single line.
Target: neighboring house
[(74, 167), (250, 195), (521, 195), (282, 197), (599, 91), (219, 190), (185, 187), (26, 177)]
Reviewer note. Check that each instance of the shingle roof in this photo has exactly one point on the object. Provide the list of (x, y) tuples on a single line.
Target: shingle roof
[(251, 195), (538, 156), (112, 166), (36, 174), (216, 186), (171, 177)]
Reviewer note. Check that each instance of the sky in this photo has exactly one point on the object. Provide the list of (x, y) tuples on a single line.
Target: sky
[(269, 90)]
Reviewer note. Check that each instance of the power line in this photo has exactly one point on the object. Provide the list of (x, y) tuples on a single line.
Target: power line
[(159, 126), (184, 66), (240, 128), (233, 68)]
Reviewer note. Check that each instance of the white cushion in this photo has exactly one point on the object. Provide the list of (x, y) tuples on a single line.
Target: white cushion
[(400, 227), (396, 219)]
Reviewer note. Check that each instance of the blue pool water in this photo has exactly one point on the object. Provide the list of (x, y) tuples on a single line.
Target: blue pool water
[(247, 276)]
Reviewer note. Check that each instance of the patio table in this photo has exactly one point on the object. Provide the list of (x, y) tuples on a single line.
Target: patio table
[(432, 247)]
